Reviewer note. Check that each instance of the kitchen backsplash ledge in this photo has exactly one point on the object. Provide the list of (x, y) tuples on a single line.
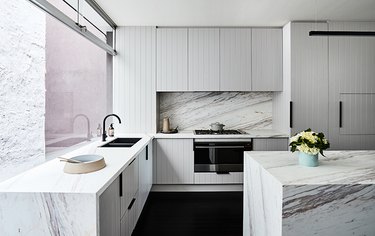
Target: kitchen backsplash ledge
[(197, 110)]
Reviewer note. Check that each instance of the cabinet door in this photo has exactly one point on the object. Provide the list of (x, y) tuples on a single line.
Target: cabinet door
[(174, 161), (235, 59), (267, 59), (145, 178), (172, 57), (309, 78), (109, 210), (270, 144), (204, 59), (129, 184), (352, 82)]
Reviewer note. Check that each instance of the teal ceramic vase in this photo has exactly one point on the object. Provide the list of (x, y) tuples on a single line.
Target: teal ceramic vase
[(308, 159)]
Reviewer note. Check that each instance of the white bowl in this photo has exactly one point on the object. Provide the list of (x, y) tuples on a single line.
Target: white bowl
[(89, 163)]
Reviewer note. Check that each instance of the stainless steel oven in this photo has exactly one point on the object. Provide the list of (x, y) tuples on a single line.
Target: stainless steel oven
[(220, 155)]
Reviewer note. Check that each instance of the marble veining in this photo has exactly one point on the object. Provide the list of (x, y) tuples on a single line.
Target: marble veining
[(46, 201), (47, 214), (237, 110), (336, 198), (338, 167)]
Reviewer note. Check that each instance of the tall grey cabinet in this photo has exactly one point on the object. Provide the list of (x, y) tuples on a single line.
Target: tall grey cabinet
[(330, 84), (352, 87), (308, 75)]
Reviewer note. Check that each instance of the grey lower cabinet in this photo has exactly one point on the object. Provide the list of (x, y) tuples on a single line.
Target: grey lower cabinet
[(270, 144), (130, 185), (145, 177), (109, 210), (174, 162), (121, 204), (129, 219)]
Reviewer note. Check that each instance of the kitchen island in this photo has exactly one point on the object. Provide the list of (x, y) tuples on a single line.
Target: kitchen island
[(335, 198)]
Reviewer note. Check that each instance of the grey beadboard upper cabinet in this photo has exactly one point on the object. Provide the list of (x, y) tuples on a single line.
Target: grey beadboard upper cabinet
[(172, 59), (134, 79), (235, 59), (204, 59), (309, 77), (266, 60)]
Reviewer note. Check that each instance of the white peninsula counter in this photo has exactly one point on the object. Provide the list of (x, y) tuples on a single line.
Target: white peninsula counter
[(46, 201), (335, 198)]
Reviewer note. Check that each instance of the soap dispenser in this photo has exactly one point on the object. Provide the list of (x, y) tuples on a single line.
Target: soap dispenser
[(111, 131), (99, 131)]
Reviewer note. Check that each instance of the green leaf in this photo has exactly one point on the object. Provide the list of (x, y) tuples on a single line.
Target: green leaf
[(321, 152)]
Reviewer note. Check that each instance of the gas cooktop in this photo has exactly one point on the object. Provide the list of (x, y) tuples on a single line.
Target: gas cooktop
[(223, 132)]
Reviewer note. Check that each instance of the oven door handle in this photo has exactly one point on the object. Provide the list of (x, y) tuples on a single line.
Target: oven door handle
[(236, 147)]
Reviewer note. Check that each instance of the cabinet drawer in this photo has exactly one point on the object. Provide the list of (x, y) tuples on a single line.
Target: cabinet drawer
[(270, 144), (129, 185), (214, 178)]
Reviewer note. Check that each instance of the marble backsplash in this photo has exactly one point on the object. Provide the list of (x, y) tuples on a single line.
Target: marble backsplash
[(197, 110)]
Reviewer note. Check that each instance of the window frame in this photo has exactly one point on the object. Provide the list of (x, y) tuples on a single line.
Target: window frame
[(59, 15)]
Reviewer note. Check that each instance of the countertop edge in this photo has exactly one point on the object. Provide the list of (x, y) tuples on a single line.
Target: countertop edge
[(6, 186)]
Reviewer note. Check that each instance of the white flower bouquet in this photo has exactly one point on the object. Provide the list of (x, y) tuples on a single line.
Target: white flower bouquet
[(309, 142)]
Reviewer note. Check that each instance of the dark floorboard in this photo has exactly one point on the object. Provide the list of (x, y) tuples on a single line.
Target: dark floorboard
[(191, 213)]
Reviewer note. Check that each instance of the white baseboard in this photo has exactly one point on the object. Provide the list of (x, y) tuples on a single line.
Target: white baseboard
[(197, 188)]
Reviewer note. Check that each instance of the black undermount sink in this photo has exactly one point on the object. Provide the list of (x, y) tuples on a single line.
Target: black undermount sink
[(122, 142)]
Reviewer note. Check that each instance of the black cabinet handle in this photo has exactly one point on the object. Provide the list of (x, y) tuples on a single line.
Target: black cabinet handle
[(132, 162), (131, 204), (121, 193), (147, 153), (222, 172), (340, 114), (291, 114)]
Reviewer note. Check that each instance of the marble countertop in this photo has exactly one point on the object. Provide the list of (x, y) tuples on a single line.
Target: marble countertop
[(50, 177), (266, 133), (338, 167)]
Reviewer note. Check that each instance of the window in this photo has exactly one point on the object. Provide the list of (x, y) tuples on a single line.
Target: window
[(78, 91), (54, 81)]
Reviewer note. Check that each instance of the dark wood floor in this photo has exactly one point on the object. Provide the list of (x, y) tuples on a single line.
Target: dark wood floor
[(191, 213)]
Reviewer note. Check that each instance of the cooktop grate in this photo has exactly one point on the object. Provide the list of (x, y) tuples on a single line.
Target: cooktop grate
[(222, 132)]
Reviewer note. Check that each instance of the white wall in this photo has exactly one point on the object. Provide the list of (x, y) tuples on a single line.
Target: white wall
[(22, 91)]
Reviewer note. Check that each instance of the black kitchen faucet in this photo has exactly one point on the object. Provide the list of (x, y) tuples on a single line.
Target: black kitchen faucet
[(104, 135)]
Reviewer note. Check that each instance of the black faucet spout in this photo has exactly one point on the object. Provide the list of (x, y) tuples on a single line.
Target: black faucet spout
[(104, 135)]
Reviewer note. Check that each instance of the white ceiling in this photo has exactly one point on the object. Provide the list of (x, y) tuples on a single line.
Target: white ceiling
[(234, 12)]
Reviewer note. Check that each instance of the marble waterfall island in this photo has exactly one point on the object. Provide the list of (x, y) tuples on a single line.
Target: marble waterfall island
[(283, 198)]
